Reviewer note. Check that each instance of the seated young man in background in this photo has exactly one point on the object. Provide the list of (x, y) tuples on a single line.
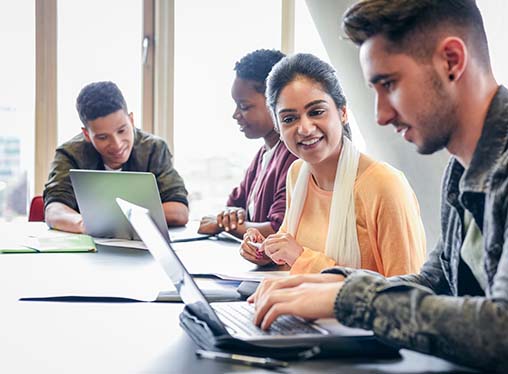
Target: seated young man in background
[(109, 141)]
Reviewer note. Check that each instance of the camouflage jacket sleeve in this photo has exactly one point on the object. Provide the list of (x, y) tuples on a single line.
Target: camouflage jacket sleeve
[(59, 186), (466, 330)]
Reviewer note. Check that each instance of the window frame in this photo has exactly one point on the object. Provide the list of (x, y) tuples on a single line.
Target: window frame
[(45, 90), (157, 77)]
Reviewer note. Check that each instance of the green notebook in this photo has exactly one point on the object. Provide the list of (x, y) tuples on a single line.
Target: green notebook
[(52, 242)]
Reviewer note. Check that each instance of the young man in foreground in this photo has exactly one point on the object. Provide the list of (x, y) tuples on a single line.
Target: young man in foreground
[(428, 63)]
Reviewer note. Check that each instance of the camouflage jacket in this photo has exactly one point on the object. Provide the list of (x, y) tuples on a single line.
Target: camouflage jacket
[(442, 310), (149, 154)]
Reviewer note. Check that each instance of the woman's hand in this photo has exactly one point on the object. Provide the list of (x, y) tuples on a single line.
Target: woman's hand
[(282, 248), (251, 252), (230, 218), (209, 226)]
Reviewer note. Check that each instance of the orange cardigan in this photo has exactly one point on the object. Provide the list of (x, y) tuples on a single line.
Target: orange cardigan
[(390, 231)]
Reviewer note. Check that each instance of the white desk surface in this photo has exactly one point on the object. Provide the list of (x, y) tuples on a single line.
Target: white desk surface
[(53, 337)]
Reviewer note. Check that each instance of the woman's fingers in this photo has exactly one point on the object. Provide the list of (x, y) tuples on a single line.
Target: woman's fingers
[(208, 225), (241, 215), (247, 255), (219, 219), (246, 248), (253, 235), (232, 220)]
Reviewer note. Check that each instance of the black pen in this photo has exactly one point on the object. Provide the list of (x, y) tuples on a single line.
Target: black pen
[(268, 363)]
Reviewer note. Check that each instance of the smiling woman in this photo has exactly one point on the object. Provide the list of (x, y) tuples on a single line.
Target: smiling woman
[(318, 137), (342, 206)]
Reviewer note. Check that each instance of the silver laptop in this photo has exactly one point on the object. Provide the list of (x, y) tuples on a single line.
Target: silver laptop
[(226, 318), (96, 191)]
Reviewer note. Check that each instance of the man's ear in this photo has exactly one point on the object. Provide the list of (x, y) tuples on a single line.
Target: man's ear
[(454, 55), (85, 132)]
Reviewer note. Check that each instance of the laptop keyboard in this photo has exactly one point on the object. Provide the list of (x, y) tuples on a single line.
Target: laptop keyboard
[(238, 318)]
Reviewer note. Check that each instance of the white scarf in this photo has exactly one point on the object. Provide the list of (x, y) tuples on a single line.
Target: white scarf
[(342, 241)]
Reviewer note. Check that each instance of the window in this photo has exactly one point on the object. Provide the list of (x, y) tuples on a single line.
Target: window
[(210, 36), (98, 40), (17, 91)]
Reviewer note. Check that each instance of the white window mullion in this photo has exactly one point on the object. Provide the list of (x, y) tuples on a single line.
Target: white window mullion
[(164, 70), (148, 48), (45, 89), (288, 27)]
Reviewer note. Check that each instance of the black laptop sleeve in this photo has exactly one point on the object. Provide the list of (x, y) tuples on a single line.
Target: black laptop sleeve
[(210, 337)]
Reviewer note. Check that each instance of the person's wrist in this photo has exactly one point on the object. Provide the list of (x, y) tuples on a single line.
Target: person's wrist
[(295, 256), (331, 278), (332, 293), (291, 260)]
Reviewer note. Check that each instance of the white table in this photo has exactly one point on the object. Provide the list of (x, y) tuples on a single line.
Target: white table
[(53, 337)]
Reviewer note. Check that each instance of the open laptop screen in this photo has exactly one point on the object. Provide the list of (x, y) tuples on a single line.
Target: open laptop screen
[(96, 191), (161, 249)]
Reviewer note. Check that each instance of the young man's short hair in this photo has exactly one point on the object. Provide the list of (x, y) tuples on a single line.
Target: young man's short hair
[(413, 26), (99, 99)]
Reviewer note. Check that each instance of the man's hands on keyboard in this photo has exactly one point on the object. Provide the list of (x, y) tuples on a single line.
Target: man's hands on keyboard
[(238, 319), (296, 296)]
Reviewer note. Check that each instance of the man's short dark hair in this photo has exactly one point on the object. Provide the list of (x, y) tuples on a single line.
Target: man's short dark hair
[(99, 99), (413, 26), (256, 65)]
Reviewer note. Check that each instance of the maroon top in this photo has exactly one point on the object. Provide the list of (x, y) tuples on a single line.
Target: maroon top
[(270, 200)]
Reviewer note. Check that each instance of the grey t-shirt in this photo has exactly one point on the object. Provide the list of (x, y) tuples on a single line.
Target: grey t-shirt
[(472, 249)]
